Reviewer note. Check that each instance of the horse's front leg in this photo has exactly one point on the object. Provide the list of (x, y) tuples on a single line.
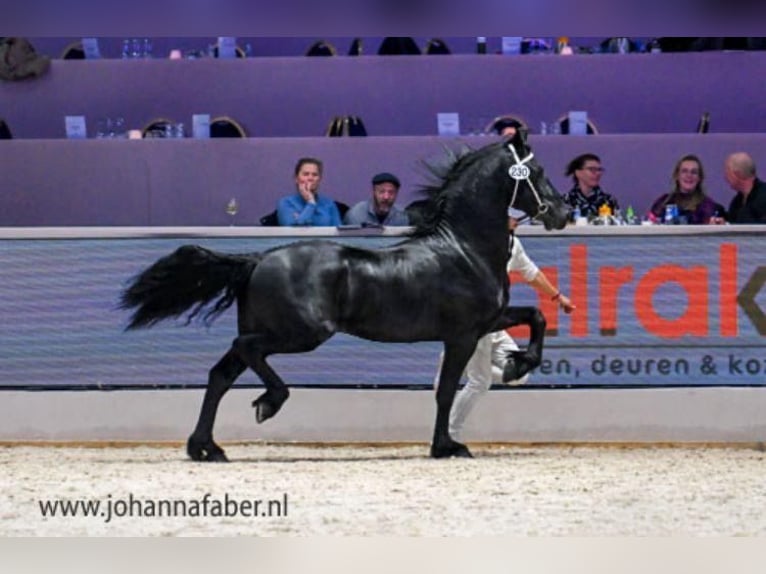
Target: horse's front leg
[(456, 355), (522, 362)]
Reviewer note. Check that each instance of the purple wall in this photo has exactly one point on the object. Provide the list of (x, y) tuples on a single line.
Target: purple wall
[(188, 182), (296, 97)]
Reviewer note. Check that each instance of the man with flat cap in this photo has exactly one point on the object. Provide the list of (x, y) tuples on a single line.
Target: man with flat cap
[(380, 208)]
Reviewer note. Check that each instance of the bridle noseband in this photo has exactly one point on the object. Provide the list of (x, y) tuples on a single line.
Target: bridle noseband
[(520, 172)]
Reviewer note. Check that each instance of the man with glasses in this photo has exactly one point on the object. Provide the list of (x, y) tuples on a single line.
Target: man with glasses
[(586, 194)]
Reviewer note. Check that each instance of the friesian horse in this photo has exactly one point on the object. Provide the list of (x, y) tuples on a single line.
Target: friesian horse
[(446, 282)]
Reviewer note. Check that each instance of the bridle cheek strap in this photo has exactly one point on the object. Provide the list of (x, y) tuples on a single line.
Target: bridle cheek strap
[(541, 207)]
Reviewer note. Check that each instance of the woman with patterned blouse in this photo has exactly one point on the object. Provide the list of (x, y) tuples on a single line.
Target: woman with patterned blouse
[(586, 194)]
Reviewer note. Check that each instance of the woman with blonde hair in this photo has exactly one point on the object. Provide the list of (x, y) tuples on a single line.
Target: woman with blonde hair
[(694, 206)]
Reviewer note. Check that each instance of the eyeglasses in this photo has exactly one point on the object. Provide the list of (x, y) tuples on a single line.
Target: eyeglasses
[(689, 171), (594, 169)]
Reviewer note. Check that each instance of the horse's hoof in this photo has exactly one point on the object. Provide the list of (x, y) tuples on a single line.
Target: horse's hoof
[(267, 405), (455, 450), (263, 410), (216, 456), (199, 453), (518, 364), (195, 451), (510, 370)]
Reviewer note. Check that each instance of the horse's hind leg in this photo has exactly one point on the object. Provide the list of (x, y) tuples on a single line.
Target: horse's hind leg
[(254, 349), (269, 403), (200, 445)]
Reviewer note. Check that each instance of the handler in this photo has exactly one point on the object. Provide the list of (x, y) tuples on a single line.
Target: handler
[(491, 356)]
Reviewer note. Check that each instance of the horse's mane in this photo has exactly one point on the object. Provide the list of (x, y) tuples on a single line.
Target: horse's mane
[(444, 171)]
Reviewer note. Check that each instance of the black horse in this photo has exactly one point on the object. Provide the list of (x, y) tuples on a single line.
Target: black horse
[(446, 282)]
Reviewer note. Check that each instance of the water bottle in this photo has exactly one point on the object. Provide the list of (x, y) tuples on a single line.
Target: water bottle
[(575, 214), (146, 52), (670, 213), (630, 216), (481, 44), (623, 45), (125, 49)]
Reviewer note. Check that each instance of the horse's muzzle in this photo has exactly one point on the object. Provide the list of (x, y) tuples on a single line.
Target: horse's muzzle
[(555, 217)]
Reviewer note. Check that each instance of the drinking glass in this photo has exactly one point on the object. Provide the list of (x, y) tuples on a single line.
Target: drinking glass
[(232, 207)]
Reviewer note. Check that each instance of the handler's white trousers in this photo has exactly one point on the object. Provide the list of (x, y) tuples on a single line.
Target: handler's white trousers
[(484, 368)]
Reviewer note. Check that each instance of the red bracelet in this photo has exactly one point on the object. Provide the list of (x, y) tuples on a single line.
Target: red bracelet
[(556, 296)]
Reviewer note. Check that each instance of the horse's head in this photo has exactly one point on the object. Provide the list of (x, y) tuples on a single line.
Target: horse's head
[(532, 192), (477, 187)]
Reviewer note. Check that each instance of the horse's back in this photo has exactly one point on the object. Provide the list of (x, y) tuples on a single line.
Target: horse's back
[(292, 288), (406, 292)]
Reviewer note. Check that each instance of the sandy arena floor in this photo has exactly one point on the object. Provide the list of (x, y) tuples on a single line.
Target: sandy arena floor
[(346, 490)]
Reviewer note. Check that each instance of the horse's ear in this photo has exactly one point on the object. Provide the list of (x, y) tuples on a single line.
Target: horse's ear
[(523, 134), (519, 139)]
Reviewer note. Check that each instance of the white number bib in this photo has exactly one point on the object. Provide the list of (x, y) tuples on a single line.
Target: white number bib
[(518, 171)]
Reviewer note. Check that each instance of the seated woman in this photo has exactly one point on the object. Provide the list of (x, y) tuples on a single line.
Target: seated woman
[(306, 206), (694, 206), (586, 194)]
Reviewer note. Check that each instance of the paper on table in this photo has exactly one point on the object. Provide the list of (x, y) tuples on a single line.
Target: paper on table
[(201, 126), (90, 47), (448, 123), (578, 123), (75, 127)]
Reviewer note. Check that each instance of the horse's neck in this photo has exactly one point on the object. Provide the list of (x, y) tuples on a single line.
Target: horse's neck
[(480, 228)]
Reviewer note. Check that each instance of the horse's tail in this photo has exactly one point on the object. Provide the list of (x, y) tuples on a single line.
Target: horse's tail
[(189, 278)]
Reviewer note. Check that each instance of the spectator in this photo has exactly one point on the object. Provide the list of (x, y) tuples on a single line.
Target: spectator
[(749, 205), (380, 209), (694, 206), (306, 206), (586, 194)]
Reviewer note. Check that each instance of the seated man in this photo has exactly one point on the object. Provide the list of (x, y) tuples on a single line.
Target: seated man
[(380, 208), (749, 202)]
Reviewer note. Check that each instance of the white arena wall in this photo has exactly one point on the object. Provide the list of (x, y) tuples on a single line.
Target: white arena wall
[(691, 415)]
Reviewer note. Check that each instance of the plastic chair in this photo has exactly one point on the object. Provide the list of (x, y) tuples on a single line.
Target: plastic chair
[(5, 131), (437, 46), (398, 46), (270, 219), (342, 208), (563, 122), (157, 127), (73, 51), (321, 48), (226, 127), (238, 51), (505, 120)]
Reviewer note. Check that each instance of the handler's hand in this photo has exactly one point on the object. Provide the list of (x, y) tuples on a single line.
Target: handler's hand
[(566, 304)]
